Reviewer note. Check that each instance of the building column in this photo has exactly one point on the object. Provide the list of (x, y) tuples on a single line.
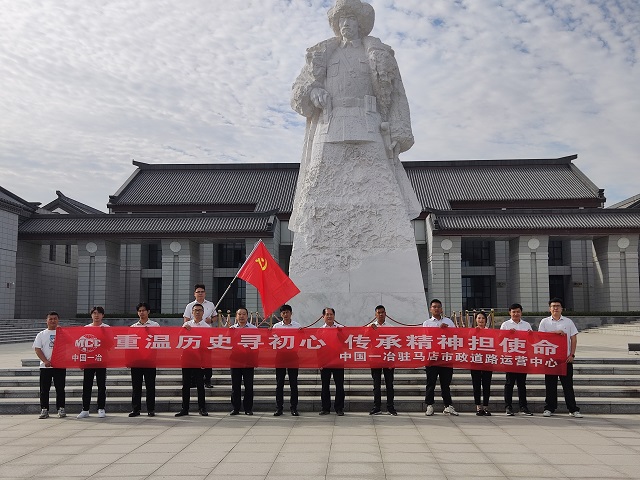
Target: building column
[(180, 272), (99, 276), (615, 259), (131, 275), (8, 256), (444, 263), (529, 272)]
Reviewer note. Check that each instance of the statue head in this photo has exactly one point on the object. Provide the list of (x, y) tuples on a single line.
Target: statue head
[(363, 12)]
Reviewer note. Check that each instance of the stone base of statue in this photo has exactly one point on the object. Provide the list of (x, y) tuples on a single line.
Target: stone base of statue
[(392, 279)]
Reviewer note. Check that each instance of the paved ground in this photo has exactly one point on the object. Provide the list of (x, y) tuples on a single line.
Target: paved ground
[(356, 446)]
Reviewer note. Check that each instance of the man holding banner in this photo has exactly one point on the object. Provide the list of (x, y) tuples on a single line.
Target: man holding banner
[(240, 375), (445, 373)]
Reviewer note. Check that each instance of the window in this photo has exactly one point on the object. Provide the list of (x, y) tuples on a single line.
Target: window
[(155, 256), (231, 255), (478, 253), (285, 257), (67, 254), (236, 295), (52, 252), (477, 292), (555, 253), (154, 294), (556, 287)]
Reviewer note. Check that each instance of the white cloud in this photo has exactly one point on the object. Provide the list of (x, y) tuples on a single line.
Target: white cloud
[(88, 85)]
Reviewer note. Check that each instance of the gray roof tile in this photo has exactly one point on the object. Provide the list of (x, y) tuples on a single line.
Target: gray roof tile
[(132, 225), (514, 220)]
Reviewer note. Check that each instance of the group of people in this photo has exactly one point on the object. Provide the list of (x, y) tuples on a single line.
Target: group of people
[(481, 379), (201, 313)]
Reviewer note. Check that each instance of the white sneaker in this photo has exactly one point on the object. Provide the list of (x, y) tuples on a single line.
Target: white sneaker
[(429, 411), (575, 414), (547, 413), (102, 413), (83, 414), (61, 413), (44, 413), (450, 411)]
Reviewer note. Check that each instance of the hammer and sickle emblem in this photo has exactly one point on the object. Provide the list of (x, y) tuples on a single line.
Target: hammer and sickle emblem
[(262, 262)]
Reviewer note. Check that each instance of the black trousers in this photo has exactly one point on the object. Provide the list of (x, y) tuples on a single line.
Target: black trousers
[(281, 373), (87, 385), (238, 377), (446, 375), (376, 375), (325, 396), (58, 376), (481, 381), (149, 377), (551, 387), (519, 379), (207, 374), (195, 375)]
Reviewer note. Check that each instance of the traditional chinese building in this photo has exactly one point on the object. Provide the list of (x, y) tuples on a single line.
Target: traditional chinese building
[(492, 232)]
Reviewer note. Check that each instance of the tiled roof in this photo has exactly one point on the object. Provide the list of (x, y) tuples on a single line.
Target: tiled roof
[(632, 202), (145, 225), (70, 205), (268, 186), (586, 221), (14, 203), (437, 184)]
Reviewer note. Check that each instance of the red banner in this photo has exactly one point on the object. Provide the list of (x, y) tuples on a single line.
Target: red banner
[(348, 347)]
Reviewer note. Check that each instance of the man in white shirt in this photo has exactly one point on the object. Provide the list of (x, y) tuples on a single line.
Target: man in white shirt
[(146, 374), (43, 346), (377, 373), (437, 320), (97, 314), (242, 375), (286, 313), (515, 323), (329, 316), (564, 326), (189, 374), (210, 317)]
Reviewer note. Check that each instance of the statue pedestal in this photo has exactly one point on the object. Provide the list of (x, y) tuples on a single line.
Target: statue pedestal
[(390, 278)]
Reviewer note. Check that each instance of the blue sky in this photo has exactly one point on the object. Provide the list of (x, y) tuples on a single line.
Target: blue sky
[(89, 85)]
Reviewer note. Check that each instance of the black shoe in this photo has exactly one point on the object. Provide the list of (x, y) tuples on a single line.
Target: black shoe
[(480, 413), (340, 413), (510, 411), (525, 411), (375, 411), (392, 411), (248, 412), (234, 412), (487, 413), (294, 412), (204, 412), (324, 412), (135, 413), (151, 413), (182, 413), (278, 413), (208, 385)]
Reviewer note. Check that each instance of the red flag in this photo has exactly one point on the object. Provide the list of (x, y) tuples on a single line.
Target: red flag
[(263, 272)]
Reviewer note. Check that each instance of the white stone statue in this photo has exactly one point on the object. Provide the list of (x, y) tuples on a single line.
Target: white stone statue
[(354, 245)]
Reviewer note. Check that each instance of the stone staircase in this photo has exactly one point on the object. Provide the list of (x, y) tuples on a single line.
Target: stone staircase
[(602, 386), (25, 330)]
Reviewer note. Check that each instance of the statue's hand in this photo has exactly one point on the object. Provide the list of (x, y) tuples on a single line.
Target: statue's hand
[(319, 97)]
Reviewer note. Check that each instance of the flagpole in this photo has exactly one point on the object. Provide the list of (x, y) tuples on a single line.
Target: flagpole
[(234, 278)]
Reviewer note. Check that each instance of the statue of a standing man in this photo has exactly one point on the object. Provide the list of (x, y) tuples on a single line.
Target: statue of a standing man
[(354, 244)]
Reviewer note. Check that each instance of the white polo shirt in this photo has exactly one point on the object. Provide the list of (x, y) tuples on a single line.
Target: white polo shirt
[(520, 326)]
